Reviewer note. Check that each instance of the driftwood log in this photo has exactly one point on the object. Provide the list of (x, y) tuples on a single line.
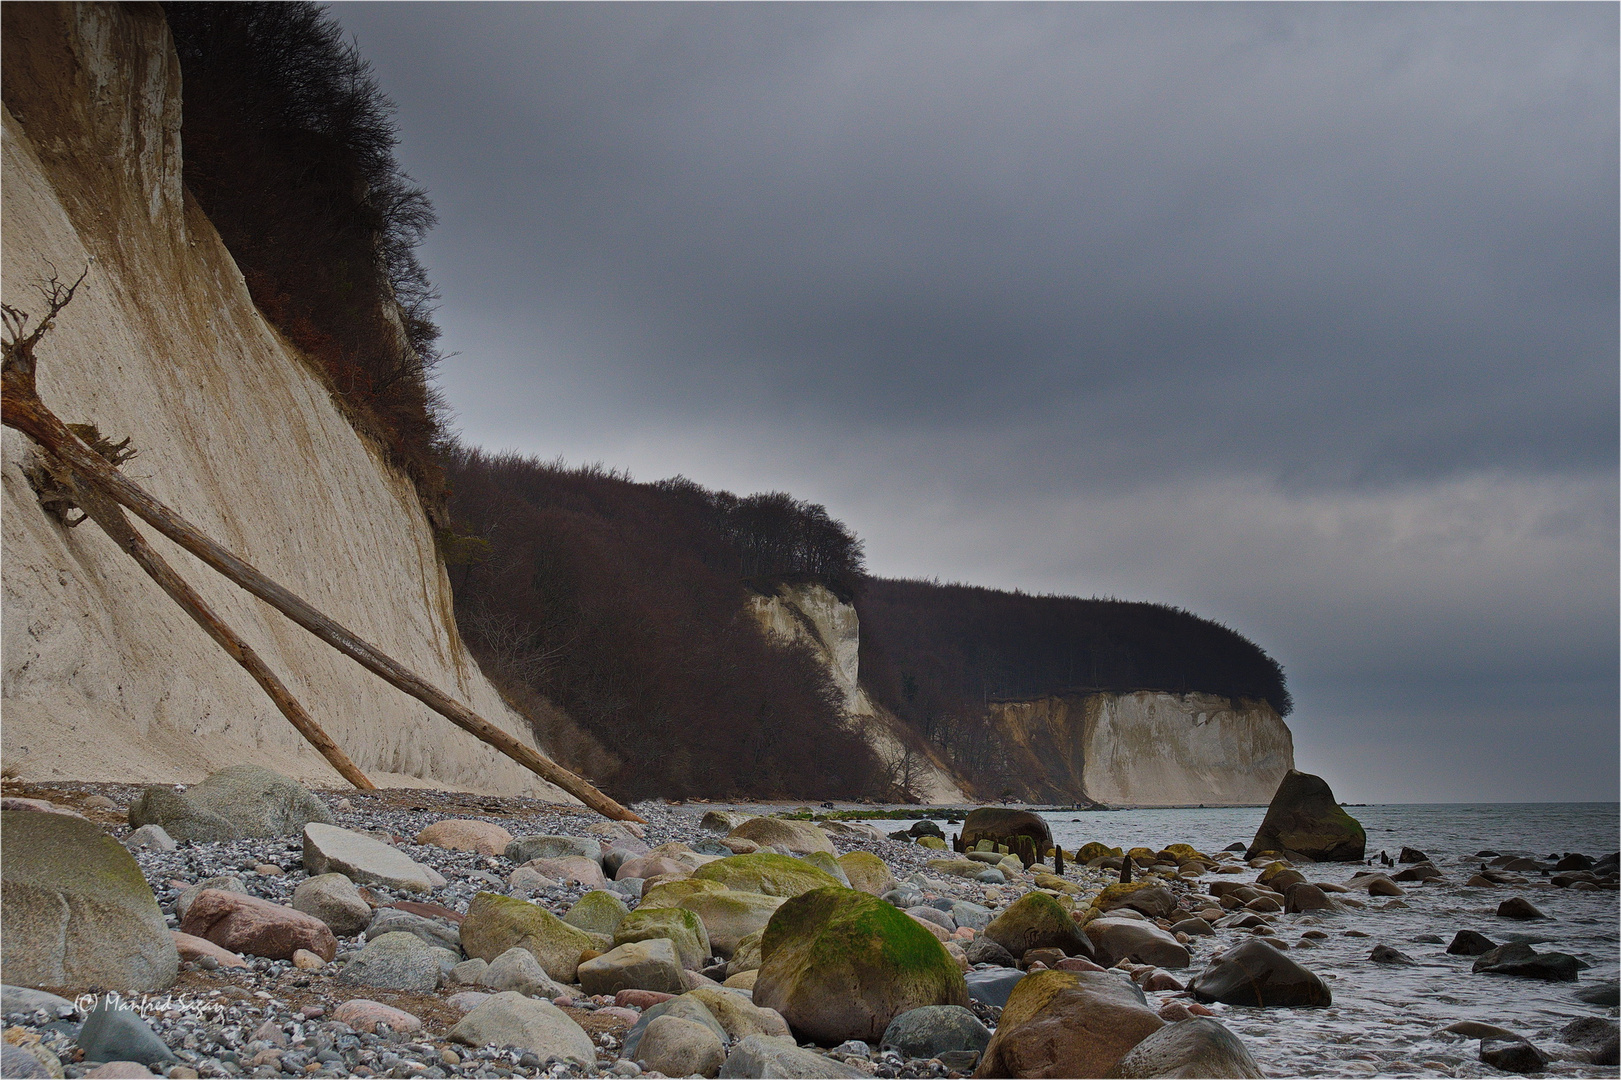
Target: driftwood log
[(22, 409)]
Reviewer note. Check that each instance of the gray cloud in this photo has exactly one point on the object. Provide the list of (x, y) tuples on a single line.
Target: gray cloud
[(1300, 316)]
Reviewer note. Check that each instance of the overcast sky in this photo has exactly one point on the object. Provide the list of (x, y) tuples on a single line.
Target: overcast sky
[(1303, 318)]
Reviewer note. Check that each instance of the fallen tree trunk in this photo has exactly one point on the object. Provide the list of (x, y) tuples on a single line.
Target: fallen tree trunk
[(112, 521), (22, 409)]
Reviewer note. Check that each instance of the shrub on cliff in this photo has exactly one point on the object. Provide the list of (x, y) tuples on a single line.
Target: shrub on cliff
[(288, 146)]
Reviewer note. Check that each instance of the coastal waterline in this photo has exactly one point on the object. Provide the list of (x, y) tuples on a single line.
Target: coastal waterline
[(1387, 1019)]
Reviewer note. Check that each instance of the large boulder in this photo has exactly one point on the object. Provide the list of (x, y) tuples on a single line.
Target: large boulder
[(1114, 940), (798, 837), (723, 821), (335, 900), (684, 929), (1003, 827), (677, 1047), (1303, 817), (671, 893), (686, 1007), (729, 917), (839, 964), (1068, 1023), (527, 848), (597, 912), (934, 1030), (364, 860), (652, 964), (1197, 1047), (829, 866), (235, 803), (758, 1056), (439, 933), (398, 961), (1254, 973), (1037, 921), (77, 911), (867, 872), (248, 924), (462, 834), (773, 875), (510, 1019), (496, 923), (737, 1014), (517, 969)]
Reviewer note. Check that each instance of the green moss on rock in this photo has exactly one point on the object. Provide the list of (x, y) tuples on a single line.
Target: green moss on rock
[(773, 875)]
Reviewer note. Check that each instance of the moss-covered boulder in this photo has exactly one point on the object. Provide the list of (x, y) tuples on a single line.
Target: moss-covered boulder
[(1094, 850), (746, 957), (77, 911), (1184, 852), (671, 893), (840, 964), (829, 866), (1303, 817), (730, 916), (774, 875), (597, 912), (682, 927), (496, 923), (932, 842), (799, 837), (1068, 1023), (867, 872), (1037, 921)]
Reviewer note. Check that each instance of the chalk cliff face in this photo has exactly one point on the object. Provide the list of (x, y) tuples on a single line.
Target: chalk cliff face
[(104, 678), (1145, 748), (812, 614)]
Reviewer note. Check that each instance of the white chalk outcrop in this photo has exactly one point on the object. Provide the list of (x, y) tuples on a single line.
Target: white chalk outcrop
[(104, 678), (1145, 748), (810, 613)]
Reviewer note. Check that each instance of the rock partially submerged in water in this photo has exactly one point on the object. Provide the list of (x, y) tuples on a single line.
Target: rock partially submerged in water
[(1512, 1056), (1470, 943), (1198, 1046), (1518, 959), (1255, 973), (1304, 817)]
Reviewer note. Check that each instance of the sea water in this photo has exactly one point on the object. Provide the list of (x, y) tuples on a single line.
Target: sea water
[(1387, 1019)]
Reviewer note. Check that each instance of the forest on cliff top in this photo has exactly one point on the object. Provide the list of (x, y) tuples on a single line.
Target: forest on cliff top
[(613, 614)]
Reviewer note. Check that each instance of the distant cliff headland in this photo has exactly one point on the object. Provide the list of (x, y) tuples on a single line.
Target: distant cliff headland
[(257, 321)]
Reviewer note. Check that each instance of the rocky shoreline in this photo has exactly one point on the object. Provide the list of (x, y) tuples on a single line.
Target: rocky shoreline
[(416, 933)]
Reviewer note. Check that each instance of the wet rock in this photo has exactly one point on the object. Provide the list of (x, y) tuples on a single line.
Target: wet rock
[(638, 965), (1004, 826), (1470, 943), (1518, 907), (1304, 896), (933, 1030), (517, 969), (1304, 817), (363, 1015), (982, 950), (496, 923), (1590, 1033), (1197, 1047), (1522, 960), (798, 837), (1421, 872), (677, 1047), (1062, 1023), (773, 875), (77, 910), (249, 925), (1255, 973), (1607, 993), (536, 1025), (840, 964), (399, 961), (1480, 881), (457, 834), (1037, 921), (114, 1031), (1114, 940), (335, 900), (759, 1056), (1384, 954), (1412, 855), (1193, 928), (234, 803), (1515, 1057), (1474, 1029), (364, 860), (992, 986)]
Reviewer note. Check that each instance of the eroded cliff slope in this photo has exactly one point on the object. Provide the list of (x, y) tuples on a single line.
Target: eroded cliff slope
[(104, 677)]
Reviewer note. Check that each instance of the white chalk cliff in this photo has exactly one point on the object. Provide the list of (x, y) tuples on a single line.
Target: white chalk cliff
[(1145, 748), (812, 614), (104, 678)]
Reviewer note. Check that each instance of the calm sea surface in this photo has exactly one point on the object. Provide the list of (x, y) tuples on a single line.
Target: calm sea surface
[(1386, 1019)]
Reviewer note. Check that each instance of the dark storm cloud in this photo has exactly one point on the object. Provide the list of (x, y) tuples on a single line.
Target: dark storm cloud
[(1299, 316)]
